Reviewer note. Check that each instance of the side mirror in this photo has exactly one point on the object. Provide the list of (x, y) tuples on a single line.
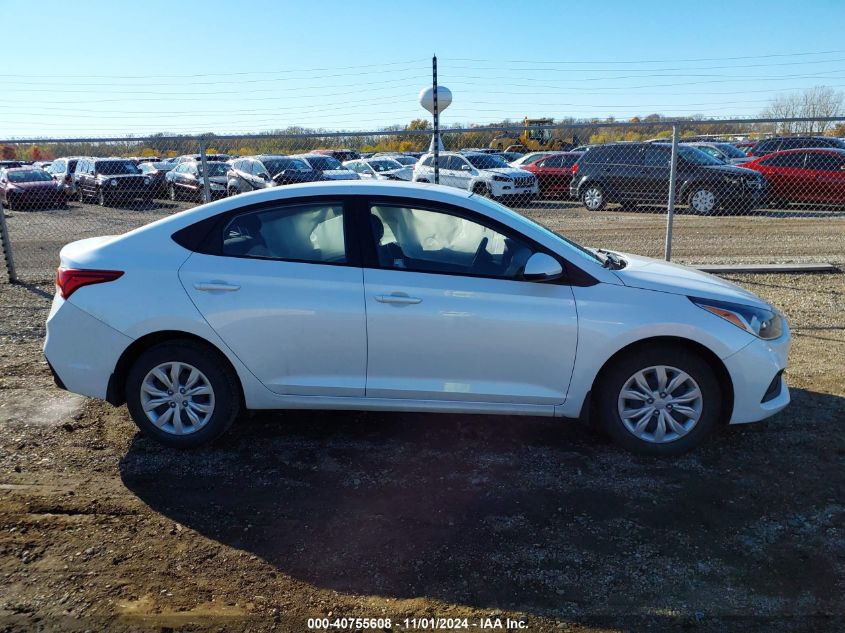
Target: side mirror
[(542, 267), (466, 168)]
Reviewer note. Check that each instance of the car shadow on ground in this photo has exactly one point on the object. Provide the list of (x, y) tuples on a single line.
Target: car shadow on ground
[(536, 515)]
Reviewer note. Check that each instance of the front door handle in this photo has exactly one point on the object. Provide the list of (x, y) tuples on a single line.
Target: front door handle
[(398, 299), (216, 286)]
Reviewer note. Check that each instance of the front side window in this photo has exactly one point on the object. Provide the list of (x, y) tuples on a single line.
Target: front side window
[(551, 161), (117, 168), (794, 160), (486, 161), (657, 156), (303, 233), (428, 241)]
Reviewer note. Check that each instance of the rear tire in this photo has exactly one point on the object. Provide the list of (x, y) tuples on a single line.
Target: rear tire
[(593, 198), (692, 418), (201, 417)]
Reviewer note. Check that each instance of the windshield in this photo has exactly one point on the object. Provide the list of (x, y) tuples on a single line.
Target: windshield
[(695, 156), (117, 168), (214, 168), (30, 175), (384, 164), (405, 160), (485, 161), (324, 163), (731, 151), (571, 246), (278, 165)]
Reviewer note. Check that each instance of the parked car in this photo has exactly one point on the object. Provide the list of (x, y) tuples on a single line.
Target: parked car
[(379, 169), (725, 152), (111, 181), (22, 187), (63, 170), (157, 173), (528, 158), (633, 173), (340, 155), (484, 174), (394, 297), (185, 180), (554, 172), (803, 175), (780, 143), (330, 168), (258, 172), (188, 158)]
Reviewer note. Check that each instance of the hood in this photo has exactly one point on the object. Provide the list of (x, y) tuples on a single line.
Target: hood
[(339, 174), (732, 170), (740, 161), (37, 184), (507, 171), (655, 274), (403, 173)]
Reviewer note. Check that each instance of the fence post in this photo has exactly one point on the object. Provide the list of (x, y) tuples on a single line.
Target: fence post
[(206, 188), (673, 179), (436, 114), (6, 245)]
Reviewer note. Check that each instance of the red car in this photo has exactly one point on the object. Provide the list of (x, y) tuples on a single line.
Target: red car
[(554, 172), (803, 175), (30, 187)]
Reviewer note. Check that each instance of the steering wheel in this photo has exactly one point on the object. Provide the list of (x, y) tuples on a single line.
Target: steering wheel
[(478, 252)]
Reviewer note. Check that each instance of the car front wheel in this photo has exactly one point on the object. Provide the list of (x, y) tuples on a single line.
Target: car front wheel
[(660, 400), (703, 201), (182, 394), (593, 198)]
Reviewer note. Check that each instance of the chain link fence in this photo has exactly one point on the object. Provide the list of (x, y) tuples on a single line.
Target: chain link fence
[(733, 193)]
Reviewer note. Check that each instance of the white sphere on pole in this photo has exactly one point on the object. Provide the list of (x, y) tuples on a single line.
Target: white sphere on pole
[(444, 98)]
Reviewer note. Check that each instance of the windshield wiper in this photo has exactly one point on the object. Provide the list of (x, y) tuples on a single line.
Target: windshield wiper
[(611, 259)]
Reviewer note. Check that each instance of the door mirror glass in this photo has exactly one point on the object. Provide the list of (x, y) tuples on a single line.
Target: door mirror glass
[(466, 167), (542, 267)]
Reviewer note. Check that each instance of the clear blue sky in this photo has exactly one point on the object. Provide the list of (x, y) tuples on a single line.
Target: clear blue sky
[(116, 67)]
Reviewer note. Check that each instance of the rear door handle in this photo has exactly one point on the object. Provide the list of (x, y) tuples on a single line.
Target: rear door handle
[(398, 299), (216, 286)]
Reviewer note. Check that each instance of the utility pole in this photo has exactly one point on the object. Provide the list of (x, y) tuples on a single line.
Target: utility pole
[(436, 114)]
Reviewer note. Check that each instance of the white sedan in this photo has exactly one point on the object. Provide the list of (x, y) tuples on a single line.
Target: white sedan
[(401, 297)]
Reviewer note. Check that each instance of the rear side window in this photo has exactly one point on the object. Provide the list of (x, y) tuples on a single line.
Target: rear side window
[(304, 233), (428, 162), (614, 155), (551, 161), (825, 162), (657, 156)]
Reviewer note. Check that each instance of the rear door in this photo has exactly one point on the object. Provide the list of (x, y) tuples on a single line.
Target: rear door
[(827, 174), (281, 286), (787, 178), (657, 158)]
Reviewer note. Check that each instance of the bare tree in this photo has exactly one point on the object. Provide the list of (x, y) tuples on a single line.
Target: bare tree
[(818, 102)]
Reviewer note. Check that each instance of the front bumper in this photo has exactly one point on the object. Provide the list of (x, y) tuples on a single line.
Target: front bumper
[(501, 189), (753, 370)]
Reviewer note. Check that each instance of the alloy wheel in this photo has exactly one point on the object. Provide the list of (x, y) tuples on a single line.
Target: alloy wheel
[(593, 198), (703, 201)]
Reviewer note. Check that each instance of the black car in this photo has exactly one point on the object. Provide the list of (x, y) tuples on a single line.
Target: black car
[(249, 173), (111, 181), (156, 172), (780, 143), (634, 173), (186, 180)]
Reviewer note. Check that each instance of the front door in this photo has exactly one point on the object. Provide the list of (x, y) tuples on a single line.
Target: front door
[(449, 317), (285, 297)]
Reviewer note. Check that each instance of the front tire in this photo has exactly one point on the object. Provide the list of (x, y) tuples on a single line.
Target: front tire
[(703, 201), (593, 198), (661, 400), (182, 394)]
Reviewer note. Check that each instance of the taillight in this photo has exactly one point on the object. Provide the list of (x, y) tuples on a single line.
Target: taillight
[(575, 169), (69, 280)]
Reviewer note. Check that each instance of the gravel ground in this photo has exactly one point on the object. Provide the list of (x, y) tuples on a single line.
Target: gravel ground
[(401, 516)]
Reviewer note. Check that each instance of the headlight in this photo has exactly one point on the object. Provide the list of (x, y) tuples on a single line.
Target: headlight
[(146, 181), (113, 182), (762, 322), (501, 179)]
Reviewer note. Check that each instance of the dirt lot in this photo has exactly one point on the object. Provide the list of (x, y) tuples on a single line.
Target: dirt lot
[(413, 516)]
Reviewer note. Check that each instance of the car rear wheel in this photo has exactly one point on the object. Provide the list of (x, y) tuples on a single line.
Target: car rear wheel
[(182, 394), (482, 190), (593, 198), (703, 201), (661, 400)]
